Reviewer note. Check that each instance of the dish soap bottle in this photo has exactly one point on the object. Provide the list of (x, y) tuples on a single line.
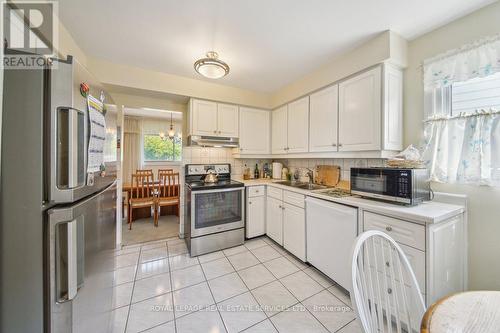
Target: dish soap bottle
[(256, 171)]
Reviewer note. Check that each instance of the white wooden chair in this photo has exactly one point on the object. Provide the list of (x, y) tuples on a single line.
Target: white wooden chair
[(385, 291)]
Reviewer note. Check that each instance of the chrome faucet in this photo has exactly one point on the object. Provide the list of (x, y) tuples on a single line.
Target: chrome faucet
[(310, 174)]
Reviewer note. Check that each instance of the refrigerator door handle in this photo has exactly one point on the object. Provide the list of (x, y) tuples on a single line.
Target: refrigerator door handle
[(73, 147), (70, 149), (72, 260), (65, 255)]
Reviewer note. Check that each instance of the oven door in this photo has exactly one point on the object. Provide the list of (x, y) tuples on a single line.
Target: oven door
[(217, 210)]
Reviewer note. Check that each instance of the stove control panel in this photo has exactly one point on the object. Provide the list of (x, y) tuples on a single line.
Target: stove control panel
[(201, 169)]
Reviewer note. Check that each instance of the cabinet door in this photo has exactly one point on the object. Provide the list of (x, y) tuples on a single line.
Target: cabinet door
[(274, 220), (323, 120), (227, 120), (256, 217), (360, 112), (393, 108), (279, 130), (298, 126), (203, 117), (294, 231), (255, 131)]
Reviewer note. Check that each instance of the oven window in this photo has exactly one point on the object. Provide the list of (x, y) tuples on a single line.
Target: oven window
[(215, 208)]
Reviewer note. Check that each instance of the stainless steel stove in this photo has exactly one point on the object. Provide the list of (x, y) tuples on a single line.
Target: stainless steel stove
[(214, 216)]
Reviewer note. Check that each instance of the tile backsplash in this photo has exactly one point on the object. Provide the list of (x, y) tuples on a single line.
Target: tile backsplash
[(201, 155), (345, 164)]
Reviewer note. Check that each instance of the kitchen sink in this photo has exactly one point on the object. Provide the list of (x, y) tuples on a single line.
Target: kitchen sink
[(312, 187), (303, 186)]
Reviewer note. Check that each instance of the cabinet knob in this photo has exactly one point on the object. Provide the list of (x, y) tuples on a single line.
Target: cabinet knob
[(388, 228), (387, 264), (249, 202), (279, 206), (340, 145), (283, 207), (215, 132), (389, 291), (256, 191), (220, 132), (334, 145)]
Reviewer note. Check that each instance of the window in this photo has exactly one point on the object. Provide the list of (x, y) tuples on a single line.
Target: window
[(158, 149), (462, 106), (474, 94)]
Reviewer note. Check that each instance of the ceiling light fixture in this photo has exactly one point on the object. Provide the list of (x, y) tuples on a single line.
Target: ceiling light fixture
[(171, 132), (211, 67)]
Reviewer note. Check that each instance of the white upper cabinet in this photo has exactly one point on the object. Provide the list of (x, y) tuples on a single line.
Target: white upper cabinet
[(213, 119), (279, 130), (227, 120), (255, 131), (323, 120), (203, 117), (393, 115), (360, 116), (298, 126)]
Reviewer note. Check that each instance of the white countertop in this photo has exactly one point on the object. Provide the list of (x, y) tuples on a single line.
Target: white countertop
[(425, 213)]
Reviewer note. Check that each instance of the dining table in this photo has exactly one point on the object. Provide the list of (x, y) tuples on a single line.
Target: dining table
[(146, 211), (465, 312)]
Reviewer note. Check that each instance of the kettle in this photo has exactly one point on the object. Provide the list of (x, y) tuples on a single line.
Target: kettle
[(211, 177)]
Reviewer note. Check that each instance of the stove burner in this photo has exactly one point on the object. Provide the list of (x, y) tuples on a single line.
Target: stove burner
[(337, 193)]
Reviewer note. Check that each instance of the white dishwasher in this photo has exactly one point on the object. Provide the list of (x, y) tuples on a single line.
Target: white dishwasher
[(331, 231)]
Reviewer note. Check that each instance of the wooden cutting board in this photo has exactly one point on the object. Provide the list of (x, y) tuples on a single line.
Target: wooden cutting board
[(328, 175)]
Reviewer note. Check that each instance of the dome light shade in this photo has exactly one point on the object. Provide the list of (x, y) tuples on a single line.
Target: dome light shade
[(211, 67)]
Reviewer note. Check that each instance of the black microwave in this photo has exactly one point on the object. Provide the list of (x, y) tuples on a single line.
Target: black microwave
[(405, 186)]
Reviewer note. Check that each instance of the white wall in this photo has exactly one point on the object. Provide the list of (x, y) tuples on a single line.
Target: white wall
[(484, 208), (385, 47)]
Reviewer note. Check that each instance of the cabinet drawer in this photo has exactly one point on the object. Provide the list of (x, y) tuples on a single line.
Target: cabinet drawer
[(256, 191), (293, 198), (415, 257), (403, 232), (274, 192)]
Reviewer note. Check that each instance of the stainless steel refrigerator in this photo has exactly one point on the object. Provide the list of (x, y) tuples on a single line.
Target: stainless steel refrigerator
[(58, 222)]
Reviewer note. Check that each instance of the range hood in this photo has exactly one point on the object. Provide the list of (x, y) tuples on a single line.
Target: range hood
[(213, 141)]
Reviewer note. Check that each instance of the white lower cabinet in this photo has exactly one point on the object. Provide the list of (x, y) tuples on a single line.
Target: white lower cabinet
[(286, 221), (436, 251), (256, 216), (274, 219), (294, 230)]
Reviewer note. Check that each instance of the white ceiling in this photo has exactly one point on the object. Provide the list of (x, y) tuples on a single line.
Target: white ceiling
[(267, 43)]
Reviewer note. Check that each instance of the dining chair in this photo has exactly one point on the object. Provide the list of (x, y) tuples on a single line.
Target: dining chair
[(164, 171), (385, 291), (145, 172), (168, 191), (142, 195)]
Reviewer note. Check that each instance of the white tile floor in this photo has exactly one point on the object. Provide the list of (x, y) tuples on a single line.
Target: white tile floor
[(256, 288)]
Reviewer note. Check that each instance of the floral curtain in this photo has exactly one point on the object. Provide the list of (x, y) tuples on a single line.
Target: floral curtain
[(479, 59), (132, 151), (466, 148)]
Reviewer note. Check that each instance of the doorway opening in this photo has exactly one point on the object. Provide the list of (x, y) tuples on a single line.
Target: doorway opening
[(152, 162)]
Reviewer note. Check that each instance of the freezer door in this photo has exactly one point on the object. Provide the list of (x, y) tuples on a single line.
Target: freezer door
[(80, 248), (67, 125)]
